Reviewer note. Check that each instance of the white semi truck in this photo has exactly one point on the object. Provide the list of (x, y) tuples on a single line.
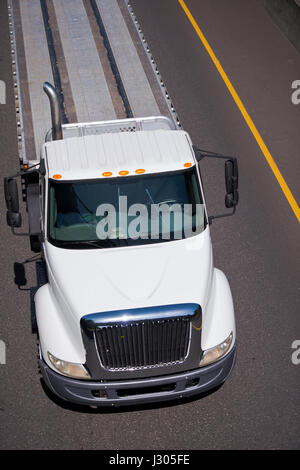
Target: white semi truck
[(131, 308)]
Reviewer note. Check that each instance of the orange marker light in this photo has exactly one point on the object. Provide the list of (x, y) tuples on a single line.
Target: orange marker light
[(187, 165), (123, 172), (56, 177), (107, 173), (140, 171)]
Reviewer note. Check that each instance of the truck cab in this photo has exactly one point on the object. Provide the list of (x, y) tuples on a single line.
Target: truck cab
[(132, 309)]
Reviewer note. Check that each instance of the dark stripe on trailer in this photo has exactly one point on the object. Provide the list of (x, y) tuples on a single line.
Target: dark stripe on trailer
[(156, 84), (62, 66), (112, 61), (112, 84), (53, 59)]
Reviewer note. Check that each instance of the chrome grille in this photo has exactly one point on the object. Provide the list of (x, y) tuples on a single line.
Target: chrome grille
[(143, 344)]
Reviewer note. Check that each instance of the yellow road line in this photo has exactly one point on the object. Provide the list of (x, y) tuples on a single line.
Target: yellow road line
[(245, 114)]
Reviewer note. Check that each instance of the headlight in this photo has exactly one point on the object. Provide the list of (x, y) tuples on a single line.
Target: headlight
[(213, 354), (76, 371)]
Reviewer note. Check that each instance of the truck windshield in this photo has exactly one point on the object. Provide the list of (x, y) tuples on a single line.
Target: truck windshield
[(129, 210)]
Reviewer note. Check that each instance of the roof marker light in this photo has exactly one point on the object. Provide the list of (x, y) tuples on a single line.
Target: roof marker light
[(140, 171), (187, 165), (107, 173), (56, 177), (123, 172)]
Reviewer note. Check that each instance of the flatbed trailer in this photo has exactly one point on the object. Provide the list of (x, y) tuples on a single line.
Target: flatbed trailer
[(96, 56)]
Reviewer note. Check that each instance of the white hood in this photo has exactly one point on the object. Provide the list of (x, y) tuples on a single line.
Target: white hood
[(100, 280)]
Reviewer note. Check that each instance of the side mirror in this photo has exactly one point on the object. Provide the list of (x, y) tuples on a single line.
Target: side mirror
[(231, 183), (11, 194), (13, 219), (231, 179), (19, 272)]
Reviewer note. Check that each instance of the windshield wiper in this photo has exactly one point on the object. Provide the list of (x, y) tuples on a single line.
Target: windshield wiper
[(93, 243)]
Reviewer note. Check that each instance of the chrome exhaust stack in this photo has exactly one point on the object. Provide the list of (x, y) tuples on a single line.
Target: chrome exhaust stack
[(55, 111)]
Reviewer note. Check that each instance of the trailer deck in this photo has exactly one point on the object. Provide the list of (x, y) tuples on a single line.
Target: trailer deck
[(95, 54)]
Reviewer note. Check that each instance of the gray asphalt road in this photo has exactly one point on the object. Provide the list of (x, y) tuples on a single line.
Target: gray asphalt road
[(258, 248)]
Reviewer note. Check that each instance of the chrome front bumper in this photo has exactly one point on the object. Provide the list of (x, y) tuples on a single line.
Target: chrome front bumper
[(136, 392)]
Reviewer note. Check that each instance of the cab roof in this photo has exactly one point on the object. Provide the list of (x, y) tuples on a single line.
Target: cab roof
[(90, 156)]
